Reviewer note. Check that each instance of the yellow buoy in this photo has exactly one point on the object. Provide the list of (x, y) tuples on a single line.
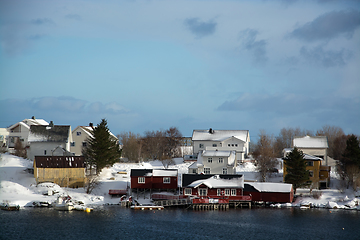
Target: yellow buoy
[(87, 209)]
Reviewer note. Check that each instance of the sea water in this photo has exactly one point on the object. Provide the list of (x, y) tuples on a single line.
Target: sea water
[(115, 222)]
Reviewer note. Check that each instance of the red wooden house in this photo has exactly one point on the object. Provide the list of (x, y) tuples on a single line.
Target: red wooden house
[(228, 187), (269, 192), (155, 179)]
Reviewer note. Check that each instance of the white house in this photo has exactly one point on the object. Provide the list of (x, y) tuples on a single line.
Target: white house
[(51, 140), (21, 130), (219, 151), (315, 146), (4, 134), (214, 162), (79, 136)]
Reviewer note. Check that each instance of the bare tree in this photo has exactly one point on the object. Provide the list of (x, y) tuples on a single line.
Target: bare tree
[(20, 150), (131, 146), (92, 181), (331, 132), (265, 156), (284, 140)]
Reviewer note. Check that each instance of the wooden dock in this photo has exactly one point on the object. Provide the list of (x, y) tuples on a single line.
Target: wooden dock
[(150, 207)]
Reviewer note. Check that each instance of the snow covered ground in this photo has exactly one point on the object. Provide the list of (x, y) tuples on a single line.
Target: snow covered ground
[(18, 186)]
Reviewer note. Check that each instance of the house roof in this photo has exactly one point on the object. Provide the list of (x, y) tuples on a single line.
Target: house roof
[(56, 133), (311, 142), (29, 122), (231, 156), (153, 172), (220, 135), (88, 130), (306, 156), (268, 187), (187, 179), (217, 182), (59, 161)]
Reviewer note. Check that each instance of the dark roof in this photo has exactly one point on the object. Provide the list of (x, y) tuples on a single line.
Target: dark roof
[(249, 188), (139, 172), (187, 179), (59, 161), (56, 133)]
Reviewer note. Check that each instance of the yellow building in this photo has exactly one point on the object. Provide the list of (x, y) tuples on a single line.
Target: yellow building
[(66, 171), (319, 174)]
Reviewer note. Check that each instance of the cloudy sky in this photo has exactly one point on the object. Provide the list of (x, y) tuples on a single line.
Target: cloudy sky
[(153, 64)]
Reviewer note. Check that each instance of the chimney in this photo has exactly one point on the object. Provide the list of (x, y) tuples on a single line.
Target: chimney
[(91, 125), (211, 131), (51, 124), (33, 117)]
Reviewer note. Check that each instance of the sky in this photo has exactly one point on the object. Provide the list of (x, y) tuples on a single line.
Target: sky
[(154, 64)]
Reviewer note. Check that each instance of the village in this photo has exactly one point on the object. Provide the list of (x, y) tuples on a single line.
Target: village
[(218, 174)]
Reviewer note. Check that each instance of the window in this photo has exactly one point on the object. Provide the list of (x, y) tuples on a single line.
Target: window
[(201, 145), (141, 180), (218, 192), (232, 145), (72, 144), (229, 145), (44, 152), (233, 192), (227, 192), (206, 170), (202, 192), (78, 133), (188, 191), (194, 170), (166, 180), (221, 160), (209, 160), (311, 173), (236, 145), (224, 171), (84, 144), (310, 163), (214, 145)]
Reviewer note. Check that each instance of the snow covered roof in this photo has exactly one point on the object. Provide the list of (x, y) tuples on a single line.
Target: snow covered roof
[(29, 122), (217, 182), (154, 172), (306, 156), (220, 135), (271, 187), (230, 155), (214, 153), (311, 142), (88, 130)]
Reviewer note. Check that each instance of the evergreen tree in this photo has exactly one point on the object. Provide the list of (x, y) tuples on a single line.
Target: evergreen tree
[(20, 150), (349, 163), (102, 149), (296, 172)]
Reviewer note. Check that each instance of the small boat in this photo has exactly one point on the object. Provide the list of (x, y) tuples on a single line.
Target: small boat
[(149, 207), (64, 203), (10, 207), (305, 206)]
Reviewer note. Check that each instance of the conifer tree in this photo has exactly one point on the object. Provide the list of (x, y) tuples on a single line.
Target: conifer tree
[(349, 163), (296, 172), (102, 149)]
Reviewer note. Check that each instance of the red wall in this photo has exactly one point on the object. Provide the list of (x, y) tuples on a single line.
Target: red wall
[(154, 183)]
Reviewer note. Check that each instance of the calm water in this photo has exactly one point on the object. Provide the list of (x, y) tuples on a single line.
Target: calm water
[(114, 222)]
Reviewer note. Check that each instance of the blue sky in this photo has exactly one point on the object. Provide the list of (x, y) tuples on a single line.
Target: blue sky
[(154, 64)]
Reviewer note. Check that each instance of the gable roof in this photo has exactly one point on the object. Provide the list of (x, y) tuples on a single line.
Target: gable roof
[(29, 122), (220, 135), (88, 130), (153, 172), (217, 182), (188, 179), (56, 133), (231, 156), (306, 156), (267, 187), (311, 142)]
